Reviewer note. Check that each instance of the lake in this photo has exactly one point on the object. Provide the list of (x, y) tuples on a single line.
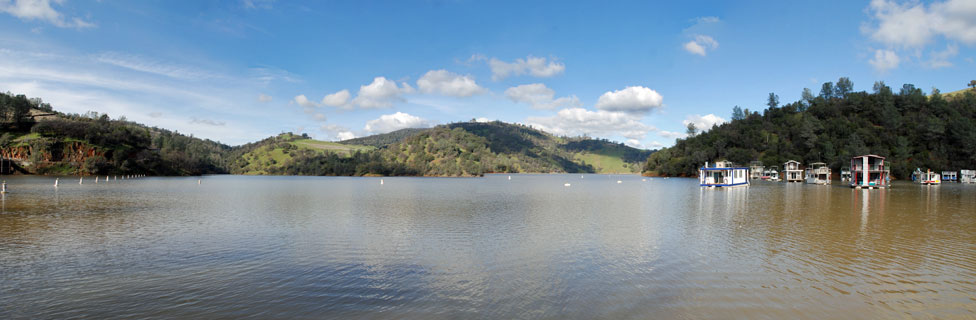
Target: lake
[(529, 247)]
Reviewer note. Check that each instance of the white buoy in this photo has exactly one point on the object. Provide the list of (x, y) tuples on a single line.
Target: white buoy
[(116, 178), (81, 180), (3, 187), (509, 177), (199, 181), (618, 181), (566, 184), (581, 176), (381, 182), (643, 179), (56, 180)]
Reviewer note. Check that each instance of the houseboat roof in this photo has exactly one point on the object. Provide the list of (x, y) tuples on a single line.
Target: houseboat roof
[(869, 156), (818, 164), (792, 161)]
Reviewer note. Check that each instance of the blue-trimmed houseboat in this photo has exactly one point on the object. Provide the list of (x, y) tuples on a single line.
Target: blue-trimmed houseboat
[(723, 174)]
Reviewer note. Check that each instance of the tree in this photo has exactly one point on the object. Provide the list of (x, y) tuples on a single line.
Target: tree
[(737, 113), (972, 84), (773, 100), (827, 90), (692, 130), (807, 96), (844, 86)]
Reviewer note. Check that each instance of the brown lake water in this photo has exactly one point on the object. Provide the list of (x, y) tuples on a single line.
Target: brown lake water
[(529, 247)]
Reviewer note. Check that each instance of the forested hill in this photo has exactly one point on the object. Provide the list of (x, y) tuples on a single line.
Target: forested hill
[(456, 149), (910, 128), (40, 140)]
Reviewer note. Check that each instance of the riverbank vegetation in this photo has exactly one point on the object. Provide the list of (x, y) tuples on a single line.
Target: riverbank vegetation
[(910, 128)]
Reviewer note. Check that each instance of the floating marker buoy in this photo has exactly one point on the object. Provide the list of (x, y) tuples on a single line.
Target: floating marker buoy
[(3, 187), (618, 181), (81, 180), (566, 185), (509, 177), (199, 181), (643, 179), (56, 180), (381, 182)]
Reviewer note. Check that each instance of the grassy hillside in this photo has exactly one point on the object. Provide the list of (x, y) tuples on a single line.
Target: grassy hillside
[(384, 139), (909, 128), (269, 156), (94, 144)]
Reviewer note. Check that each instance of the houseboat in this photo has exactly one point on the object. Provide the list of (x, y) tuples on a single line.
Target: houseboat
[(950, 176), (845, 174), (756, 170), (869, 171), (926, 177), (771, 174), (818, 173), (792, 171), (967, 176), (723, 174)]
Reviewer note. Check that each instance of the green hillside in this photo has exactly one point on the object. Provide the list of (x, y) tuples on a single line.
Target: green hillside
[(911, 129), (384, 139), (269, 156)]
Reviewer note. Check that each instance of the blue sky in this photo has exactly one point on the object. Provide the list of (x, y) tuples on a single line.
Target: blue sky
[(634, 72)]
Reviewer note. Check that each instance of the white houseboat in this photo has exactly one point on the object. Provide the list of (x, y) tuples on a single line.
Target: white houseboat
[(723, 174), (792, 171), (771, 174), (950, 176), (756, 170), (869, 171), (967, 176), (845, 174), (926, 177), (818, 173)]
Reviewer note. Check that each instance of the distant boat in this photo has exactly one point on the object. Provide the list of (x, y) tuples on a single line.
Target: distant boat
[(818, 173), (926, 177), (869, 171)]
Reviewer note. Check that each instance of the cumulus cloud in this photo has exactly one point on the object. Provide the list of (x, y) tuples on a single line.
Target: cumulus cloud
[(703, 123), (448, 84), (396, 121), (264, 98), (579, 121), (338, 132), (704, 20), (381, 93), (634, 99), (339, 99), (700, 45), (534, 66), (539, 96), (913, 24), (884, 60), (41, 10), (303, 101)]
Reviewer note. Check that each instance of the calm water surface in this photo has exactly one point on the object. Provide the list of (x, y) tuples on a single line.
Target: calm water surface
[(423, 248)]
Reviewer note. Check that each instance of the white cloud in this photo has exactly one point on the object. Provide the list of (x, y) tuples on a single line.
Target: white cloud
[(392, 122), (913, 25), (41, 10), (884, 60), (672, 134), (578, 121), (207, 122), (264, 98), (381, 93), (703, 123), (338, 132), (534, 66), (940, 59), (448, 84), (345, 135), (148, 65), (482, 119), (700, 45), (540, 97), (303, 101), (704, 20), (634, 99), (339, 99)]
